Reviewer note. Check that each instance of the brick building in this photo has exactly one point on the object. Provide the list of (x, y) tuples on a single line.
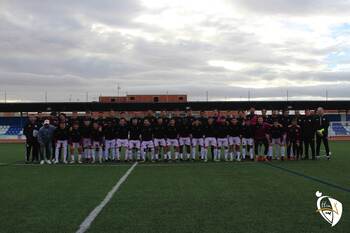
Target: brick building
[(144, 99)]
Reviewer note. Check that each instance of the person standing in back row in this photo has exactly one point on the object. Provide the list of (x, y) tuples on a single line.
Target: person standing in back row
[(308, 128), (32, 146), (322, 124)]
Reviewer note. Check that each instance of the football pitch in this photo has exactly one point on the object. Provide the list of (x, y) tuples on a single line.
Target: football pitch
[(277, 196)]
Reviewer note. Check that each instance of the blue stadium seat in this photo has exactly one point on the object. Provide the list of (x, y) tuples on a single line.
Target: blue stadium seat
[(339, 129), (12, 126)]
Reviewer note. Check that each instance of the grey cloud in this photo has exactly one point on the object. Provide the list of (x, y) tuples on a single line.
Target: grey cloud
[(49, 45), (296, 7)]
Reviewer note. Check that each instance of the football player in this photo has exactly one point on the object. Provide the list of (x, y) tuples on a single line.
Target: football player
[(210, 133), (147, 141), (134, 140), (61, 137), (222, 138), (235, 131), (185, 139), (261, 139), (275, 135), (172, 140), (75, 142), (109, 132), (294, 136), (123, 139), (97, 142), (197, 136), (247, 139), (159, 134)]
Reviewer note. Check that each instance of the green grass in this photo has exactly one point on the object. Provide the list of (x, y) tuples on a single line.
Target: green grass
[(181, 197)]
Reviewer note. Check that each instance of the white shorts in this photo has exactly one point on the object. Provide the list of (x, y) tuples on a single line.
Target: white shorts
[(147, 144), (210, 141), (134, 144), (75, 145), (185, 141), (234, 141), (122, 143), (247, 141), (86, 142), (159, 142), (276, 141), (96, 144), (172, 142), (198, 141), (222, 142), (61, 144), (109, 144)]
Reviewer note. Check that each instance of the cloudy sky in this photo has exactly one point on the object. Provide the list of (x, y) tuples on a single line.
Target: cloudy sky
[(68, 48)]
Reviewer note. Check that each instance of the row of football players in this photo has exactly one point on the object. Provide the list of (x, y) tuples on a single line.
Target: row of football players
[(178, 138)]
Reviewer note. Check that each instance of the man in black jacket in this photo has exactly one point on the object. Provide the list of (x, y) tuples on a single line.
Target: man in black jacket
[(30, 130), (322, 124), (309, 130)]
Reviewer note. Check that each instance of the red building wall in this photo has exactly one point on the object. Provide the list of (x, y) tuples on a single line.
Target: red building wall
[(144, 99)]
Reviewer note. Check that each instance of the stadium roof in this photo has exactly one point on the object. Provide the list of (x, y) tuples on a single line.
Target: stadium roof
[(219, 105)]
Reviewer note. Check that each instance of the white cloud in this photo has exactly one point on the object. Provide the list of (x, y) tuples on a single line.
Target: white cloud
[(186, 45)]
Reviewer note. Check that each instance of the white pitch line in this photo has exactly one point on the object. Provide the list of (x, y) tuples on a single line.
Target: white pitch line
[(3, 163), (84, 226), (72, 165)]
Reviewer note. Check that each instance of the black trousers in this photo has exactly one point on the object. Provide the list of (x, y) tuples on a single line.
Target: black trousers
[(309, 142), (259, 143), (293, 146), (301, 147), (323, 139), (32, 150)]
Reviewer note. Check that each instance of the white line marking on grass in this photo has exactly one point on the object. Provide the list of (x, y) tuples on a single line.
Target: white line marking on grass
[(84, 226), (73, 165), (3, 163)]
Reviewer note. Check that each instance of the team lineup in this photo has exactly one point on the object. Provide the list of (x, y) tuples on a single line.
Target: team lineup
[(245, 136)]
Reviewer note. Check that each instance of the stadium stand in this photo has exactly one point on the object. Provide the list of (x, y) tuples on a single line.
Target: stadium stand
[(339, 129), (11, 127)]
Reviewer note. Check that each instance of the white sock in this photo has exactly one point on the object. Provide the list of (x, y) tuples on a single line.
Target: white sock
[(238, 155), (193, 153), (117, 153), (226, 154), (216, 154), (244, 151), (100, 152), (270, 151), (282, 151), (169, 155), (57, 152), (251, 153), (205, 154)]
